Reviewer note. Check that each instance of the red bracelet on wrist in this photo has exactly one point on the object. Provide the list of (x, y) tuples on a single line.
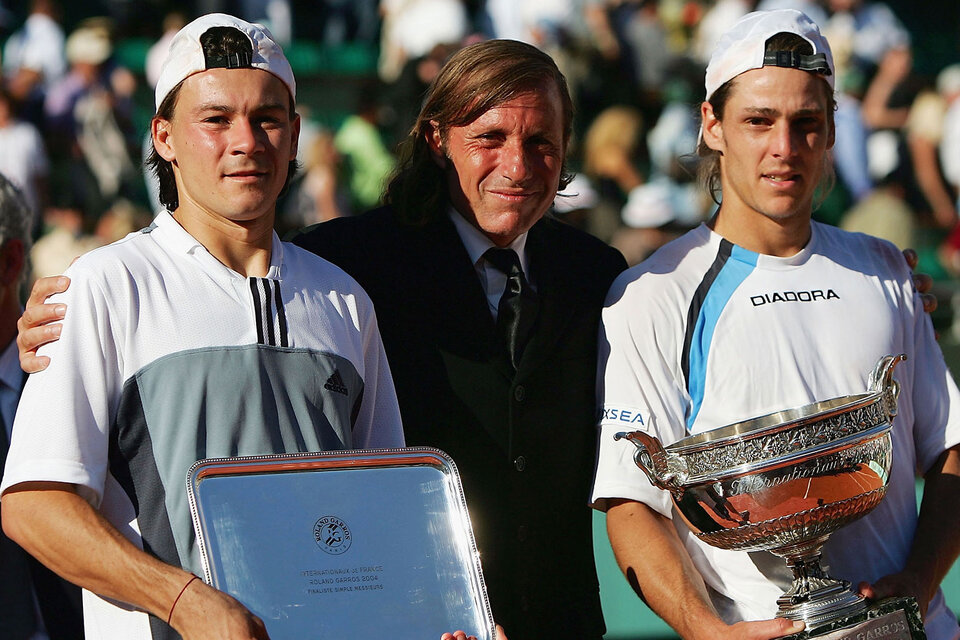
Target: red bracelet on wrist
[(189, 582)]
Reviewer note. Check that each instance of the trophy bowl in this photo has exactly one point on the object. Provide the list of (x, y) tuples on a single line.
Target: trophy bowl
[(783, 483)]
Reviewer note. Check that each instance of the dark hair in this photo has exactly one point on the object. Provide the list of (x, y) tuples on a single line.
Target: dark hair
[(217, 42), (708, 170), (475, 79)]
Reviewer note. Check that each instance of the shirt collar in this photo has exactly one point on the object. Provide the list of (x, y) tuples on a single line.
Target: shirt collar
[(183, 241), (477, 244)]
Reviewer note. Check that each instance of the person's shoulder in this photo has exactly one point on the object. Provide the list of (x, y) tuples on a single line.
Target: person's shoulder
[(128, 253), (863, 249), (677, 268), (329, 235), (579, 247), (308, 272)]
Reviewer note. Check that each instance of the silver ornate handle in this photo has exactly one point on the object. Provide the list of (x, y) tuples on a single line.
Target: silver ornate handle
[(653, 459), (881, 381)]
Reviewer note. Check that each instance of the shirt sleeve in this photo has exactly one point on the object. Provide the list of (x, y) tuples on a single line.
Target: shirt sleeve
[(61, 430), (641, 388), (936, 399)]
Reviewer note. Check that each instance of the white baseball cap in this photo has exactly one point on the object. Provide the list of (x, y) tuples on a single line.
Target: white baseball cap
[(186, 56), (743, 47)]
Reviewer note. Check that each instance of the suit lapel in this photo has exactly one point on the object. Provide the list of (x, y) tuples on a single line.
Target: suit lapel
[(553, 276), (464, 324)]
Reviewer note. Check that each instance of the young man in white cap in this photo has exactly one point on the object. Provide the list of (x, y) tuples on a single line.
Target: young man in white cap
[(760, 310), (202, 336)]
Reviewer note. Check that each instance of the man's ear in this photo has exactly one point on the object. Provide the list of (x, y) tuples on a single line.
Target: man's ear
[(435, 142), (295, 140), (711, 127), (162, 142)]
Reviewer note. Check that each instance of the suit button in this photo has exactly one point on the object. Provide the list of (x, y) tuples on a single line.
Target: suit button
[(519, 393), (522, 533), (520, 463)]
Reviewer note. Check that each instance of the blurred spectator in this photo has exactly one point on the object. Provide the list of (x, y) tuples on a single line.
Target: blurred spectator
[(88, 113), (862, 32), (613, 152), (812, 8), (349, 21), (172, 22), (66, 238), (542, 23), (872, 57), (715, 22), (850, 156), (368, 162), (884, 213), (948, 82), (120, 220), (670, 202), (276, 15), (924, 134), (24, 159), (412, 28), (646, 36), (893, 72), (403, 97), (317, 195), (33, 57)]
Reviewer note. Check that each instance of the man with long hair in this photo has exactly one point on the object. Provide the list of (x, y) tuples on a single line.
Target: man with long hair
[(495, 364)]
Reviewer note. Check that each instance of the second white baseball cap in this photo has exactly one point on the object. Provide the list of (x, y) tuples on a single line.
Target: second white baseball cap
[(186, 55), (743, 47)]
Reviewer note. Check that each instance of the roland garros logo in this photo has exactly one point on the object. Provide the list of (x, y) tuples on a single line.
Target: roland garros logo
[(332, 535)]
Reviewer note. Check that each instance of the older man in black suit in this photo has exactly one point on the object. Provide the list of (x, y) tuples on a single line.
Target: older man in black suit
[(489, 312), (35, 604)]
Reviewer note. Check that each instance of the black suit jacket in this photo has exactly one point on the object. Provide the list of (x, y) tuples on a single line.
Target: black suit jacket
[(524, 444), (21, 576)]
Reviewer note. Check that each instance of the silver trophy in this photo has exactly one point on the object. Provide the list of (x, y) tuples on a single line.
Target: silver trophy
[(783, 483)]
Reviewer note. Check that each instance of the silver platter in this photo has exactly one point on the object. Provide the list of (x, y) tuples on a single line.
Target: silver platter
[(343, 544)]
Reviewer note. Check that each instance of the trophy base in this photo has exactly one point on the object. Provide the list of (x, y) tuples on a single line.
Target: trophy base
[(889, 619)]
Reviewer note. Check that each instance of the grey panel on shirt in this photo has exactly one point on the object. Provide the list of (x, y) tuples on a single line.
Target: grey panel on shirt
[(222, 402)]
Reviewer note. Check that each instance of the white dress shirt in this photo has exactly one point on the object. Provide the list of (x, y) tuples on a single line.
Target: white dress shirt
[(493, 281)]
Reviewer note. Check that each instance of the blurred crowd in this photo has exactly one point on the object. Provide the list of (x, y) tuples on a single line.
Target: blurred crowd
[(71, 138)]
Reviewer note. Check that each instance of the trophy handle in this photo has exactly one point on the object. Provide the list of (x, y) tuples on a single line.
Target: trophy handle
[(652, 459), (881, 381)]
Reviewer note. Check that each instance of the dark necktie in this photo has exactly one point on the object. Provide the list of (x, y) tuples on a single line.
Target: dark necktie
[(517, 311)]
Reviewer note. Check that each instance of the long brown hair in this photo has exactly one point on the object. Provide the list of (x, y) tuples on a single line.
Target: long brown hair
[(474, 80)]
